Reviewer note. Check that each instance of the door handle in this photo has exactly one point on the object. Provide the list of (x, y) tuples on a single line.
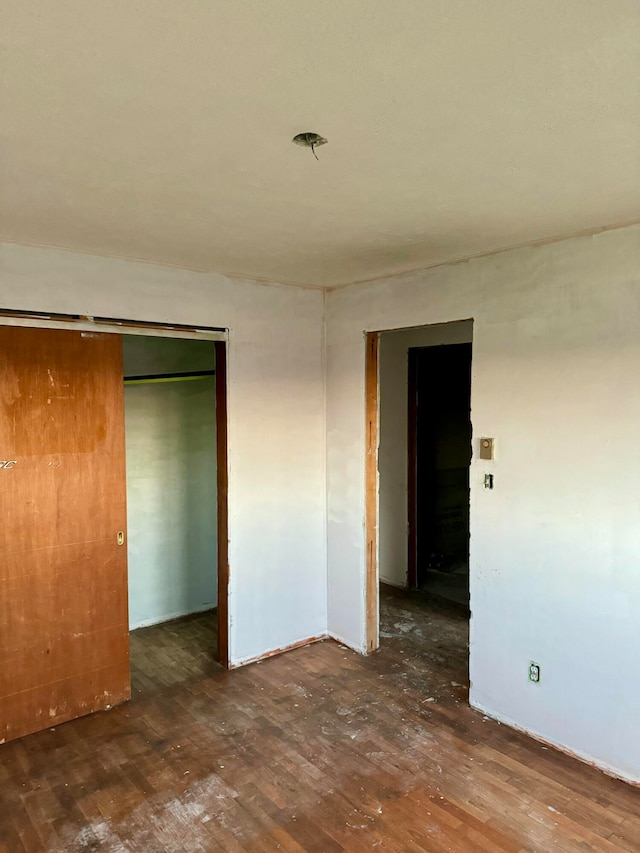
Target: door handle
[(120, 537)]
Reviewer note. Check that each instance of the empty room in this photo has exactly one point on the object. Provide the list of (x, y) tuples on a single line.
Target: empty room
[(319, 354)]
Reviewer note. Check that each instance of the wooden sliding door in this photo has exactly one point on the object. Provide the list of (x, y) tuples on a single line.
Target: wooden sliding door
[(64, 647)]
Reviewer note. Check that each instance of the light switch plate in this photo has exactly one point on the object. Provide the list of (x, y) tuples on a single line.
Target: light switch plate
[(486, 448)]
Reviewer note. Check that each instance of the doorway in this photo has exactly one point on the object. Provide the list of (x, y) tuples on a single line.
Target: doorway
[(418, 449), (170, 437), (170, 425), (175, 404), (64, 632)]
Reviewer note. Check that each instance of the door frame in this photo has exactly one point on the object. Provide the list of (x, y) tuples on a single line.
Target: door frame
[(372, 485), (219, 337), (222, 494), (372, 478)]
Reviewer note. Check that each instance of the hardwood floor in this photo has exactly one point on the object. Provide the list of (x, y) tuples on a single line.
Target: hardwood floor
[(319, 749)]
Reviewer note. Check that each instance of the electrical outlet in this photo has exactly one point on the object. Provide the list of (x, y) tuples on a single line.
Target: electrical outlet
[(534, 672)]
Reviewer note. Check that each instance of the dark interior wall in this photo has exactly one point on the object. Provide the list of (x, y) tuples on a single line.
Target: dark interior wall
[(442, 454)]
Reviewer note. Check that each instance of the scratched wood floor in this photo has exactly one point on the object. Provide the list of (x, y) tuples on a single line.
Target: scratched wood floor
[(319, 749)]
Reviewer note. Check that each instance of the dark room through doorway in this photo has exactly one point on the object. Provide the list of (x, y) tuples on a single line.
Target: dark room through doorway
[(417, 498), (439, 454)]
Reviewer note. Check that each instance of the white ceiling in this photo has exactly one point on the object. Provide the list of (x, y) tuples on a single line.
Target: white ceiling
[(162, 130)]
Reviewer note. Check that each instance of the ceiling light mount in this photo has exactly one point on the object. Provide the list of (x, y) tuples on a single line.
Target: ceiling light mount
[(310, 140)]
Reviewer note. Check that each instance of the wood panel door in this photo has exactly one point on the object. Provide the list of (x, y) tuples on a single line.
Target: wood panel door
[(64, 634)]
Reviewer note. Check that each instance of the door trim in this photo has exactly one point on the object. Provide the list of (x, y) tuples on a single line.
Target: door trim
[(108, 325), (372, 640), (223, 502)]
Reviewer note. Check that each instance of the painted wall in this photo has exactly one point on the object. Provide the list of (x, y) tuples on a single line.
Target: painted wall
[(171, 480), (145, 356), (555, 548), (393, 450), (277, 534)]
